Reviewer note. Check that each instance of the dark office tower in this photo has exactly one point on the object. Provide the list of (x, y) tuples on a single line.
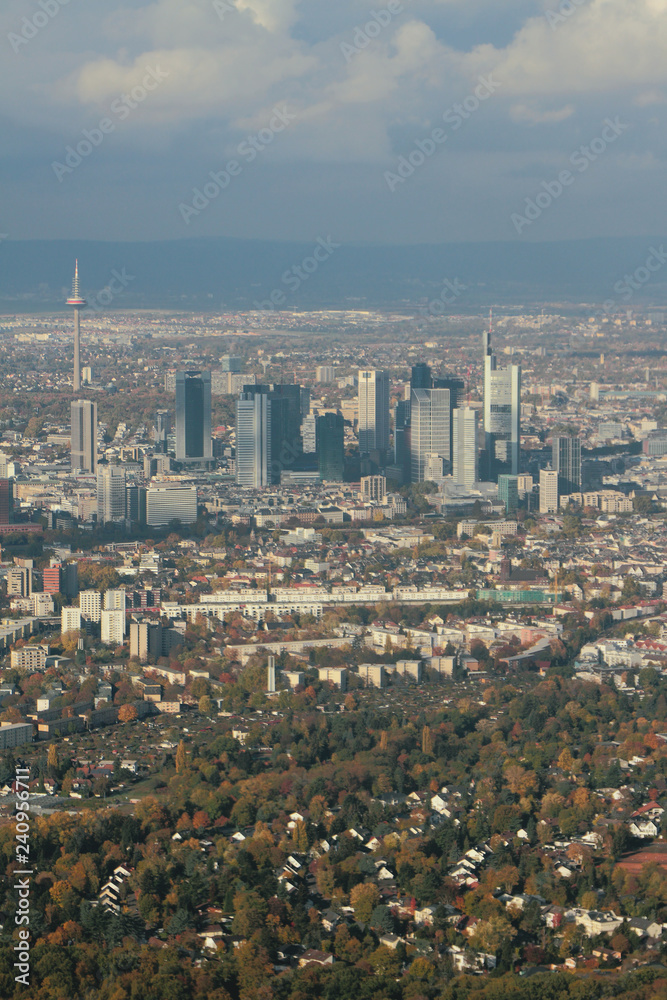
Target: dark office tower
[(193, 417), (84, 436), (305, 401), (229, 363), (132, 510), (421, 377), (566, 461), (69, 580), (292, 426), (402, 438), (6, 500), (331, 447), (161, 431), (456, 388), (285, 447)]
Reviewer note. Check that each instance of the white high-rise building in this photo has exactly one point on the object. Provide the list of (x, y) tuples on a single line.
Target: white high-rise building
[(253, 440), (373, 411), (464, 459), (309, 434), (115, 600), (113, 627), (110, 494), (70, 620), (502, 414), (8, 468), (429, 436), (90, 605), (548, 491), (271, 675), (170, 503), (42, 605), (325, 373)]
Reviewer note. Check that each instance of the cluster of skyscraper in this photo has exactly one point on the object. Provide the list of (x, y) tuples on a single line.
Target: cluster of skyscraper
[(272, 422), (435, 434)]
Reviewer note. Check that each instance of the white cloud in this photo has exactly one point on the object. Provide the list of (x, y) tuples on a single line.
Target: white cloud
[(604, 46)]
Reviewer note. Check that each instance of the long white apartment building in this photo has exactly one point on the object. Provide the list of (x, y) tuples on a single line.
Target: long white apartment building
[(288, 600)]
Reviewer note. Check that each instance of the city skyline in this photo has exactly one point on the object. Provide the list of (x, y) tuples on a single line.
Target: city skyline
[(333, 563)]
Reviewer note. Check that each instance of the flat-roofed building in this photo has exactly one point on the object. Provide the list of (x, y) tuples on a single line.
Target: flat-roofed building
[(334, 675), (113, 627), (170, 503), (90, 605), (15, 734), (70, 620), (372, 674), (29, 658)]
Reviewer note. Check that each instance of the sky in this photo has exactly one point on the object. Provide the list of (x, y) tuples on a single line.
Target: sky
[(407, 121)]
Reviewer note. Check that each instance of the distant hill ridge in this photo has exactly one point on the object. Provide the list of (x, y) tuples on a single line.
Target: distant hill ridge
[(214, 274)]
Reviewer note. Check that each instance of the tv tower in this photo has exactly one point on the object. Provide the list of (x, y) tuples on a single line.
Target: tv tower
[(78, 302)]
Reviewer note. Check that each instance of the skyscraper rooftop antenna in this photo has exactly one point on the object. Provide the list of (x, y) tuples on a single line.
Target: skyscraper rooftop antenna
[(486, 337)]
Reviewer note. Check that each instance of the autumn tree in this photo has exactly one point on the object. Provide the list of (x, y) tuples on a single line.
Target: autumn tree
[(181, 758), (250, 912), (127, 713), (427, 741), (490, 934), (363, 899), (206, 705)]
